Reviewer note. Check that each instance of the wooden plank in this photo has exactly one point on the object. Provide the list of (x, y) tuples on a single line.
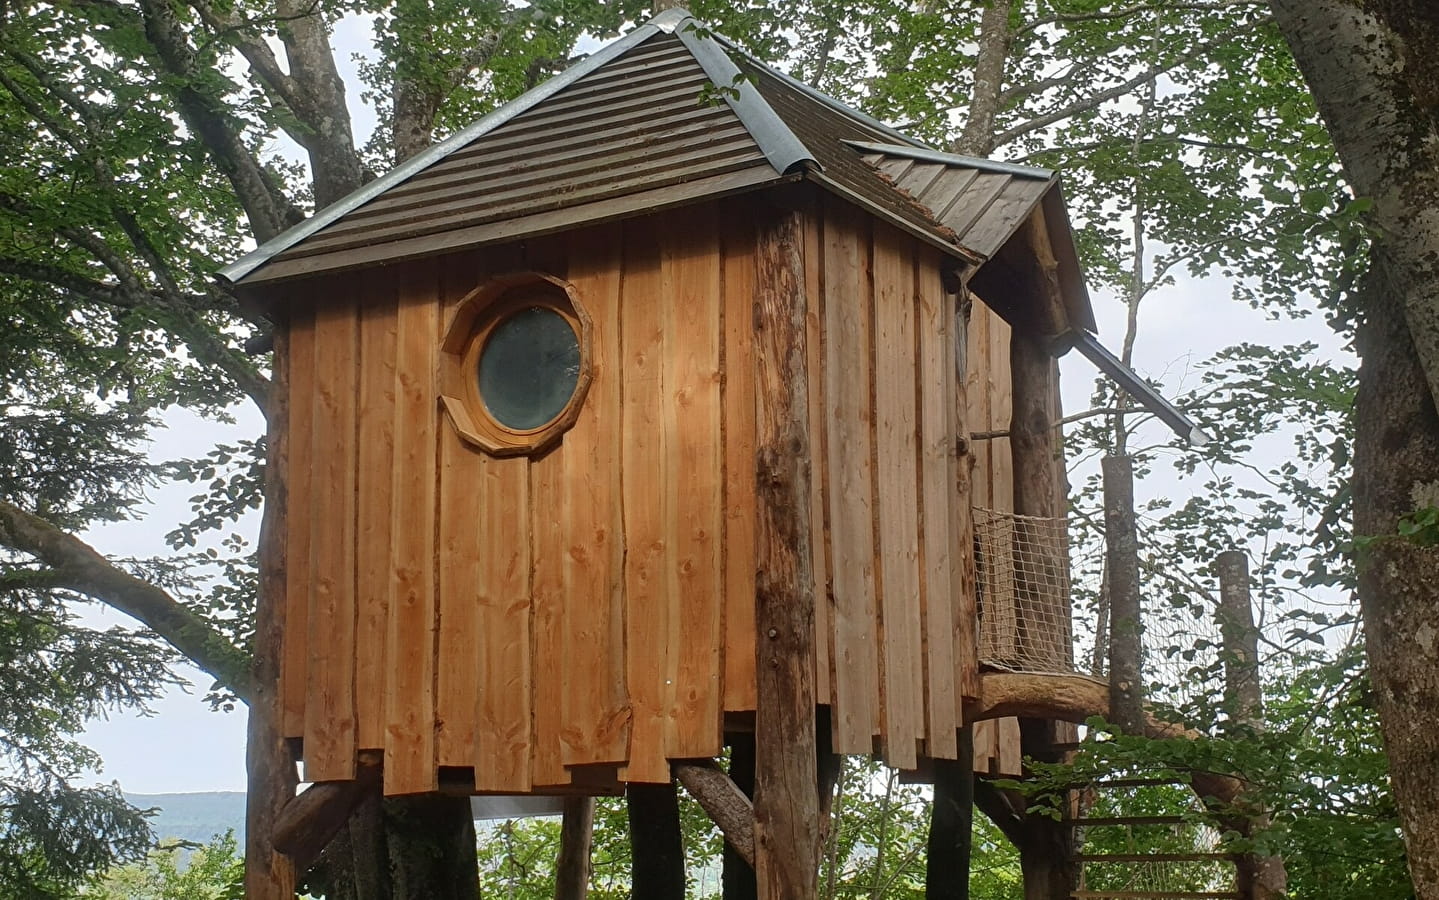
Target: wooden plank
[(461, 468), (786, 802), (896, 485), (690, 275), (548, 542), (300, 510), (645, 463), (410, 688), (330, 700), (849, 410), (966, 613), (936, 384), (738, 240), (1011, 755), (819, 462), (376, 440), (547, 596), (977, 399), (986, 752), (595, 702), (503, 713)]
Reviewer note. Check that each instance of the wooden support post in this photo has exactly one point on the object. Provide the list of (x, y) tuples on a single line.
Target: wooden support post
[(657, 856), (738, 876), (269, 764), (946, 868), (728, 806), (1126, 625), (572, 869), (1260, 877), (786, 805)]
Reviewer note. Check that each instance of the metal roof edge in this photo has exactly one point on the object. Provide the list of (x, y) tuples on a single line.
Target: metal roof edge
[(824, 98), (1090, 347), (776, 141), (262, 254), (925, 154)]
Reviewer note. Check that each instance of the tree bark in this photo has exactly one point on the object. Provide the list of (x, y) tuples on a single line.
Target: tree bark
[(270, 766), (1376, 85), (657, 858), (786, 807), (1126, 625), (995, 35), (402, 848), (1260, 877), (572, 869), (727, 806)]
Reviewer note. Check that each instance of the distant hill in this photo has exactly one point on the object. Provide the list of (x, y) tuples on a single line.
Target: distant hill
[(195, 817)]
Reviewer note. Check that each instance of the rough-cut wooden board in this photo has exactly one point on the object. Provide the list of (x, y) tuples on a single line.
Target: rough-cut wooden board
[(374, 513), (986, 752), (595, 702), (503, 726), (547, 594), (966, 614), (819, 465), (330, 701), (690, 275), (409, 689), (935, 373), (300, 506), (1010, 755), (645, 463), (849, 416), (547, 589), (738, 240), (461, 469), (896, 485)]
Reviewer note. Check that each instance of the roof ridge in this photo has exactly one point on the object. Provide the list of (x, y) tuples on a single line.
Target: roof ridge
[(776, 140)]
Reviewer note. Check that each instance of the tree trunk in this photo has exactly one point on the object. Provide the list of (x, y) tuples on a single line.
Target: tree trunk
[(657, 856), (786, 803), (1126, 626), (572, 869), (1377, 86), (1260, 877), (402, 848), (270, 766)]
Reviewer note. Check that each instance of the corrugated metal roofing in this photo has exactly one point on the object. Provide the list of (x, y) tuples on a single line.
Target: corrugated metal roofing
[(637, 127)]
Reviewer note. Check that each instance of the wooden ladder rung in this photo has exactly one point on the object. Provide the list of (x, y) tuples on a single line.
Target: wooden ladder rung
[(1167, 894), (1095, 821), (1154, 857)]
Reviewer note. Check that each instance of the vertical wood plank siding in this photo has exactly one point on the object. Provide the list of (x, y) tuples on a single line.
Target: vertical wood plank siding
[(533, 618), (330, 703)]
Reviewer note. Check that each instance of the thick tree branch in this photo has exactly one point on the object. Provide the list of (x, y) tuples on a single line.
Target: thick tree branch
[(78, 567), (334, 163)]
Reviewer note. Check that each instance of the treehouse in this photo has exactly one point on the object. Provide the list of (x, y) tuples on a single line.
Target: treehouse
[(545, 379)]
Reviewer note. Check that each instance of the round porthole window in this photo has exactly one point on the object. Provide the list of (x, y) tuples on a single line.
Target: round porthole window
[(516, 363), (529, 368)]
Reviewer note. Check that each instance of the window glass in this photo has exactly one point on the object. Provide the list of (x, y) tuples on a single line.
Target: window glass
[(529, 367)]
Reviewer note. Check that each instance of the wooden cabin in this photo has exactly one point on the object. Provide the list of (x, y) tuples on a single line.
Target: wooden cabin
[(522, 421)]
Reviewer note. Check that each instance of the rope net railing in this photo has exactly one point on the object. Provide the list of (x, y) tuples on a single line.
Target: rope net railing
[(1022, 575)]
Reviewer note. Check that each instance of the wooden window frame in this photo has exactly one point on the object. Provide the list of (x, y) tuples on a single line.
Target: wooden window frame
[(471, 324)]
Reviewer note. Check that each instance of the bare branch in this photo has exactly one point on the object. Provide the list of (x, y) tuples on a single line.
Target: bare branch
[(1198, 51), (1125, 11)]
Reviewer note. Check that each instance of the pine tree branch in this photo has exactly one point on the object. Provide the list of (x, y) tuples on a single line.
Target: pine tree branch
[(78, 567)]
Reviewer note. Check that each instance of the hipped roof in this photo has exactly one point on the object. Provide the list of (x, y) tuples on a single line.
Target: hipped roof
[(670, 114)]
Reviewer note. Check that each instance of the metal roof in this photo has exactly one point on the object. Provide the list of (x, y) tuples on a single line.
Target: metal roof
[(638, 126)]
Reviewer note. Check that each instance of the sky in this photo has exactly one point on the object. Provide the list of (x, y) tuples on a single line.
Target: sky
[(182, 746)]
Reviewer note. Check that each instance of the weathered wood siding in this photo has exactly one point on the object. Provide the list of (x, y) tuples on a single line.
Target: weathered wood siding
[(989, 403), (558, 621)]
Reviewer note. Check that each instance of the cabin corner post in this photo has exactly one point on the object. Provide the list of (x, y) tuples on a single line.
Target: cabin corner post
[(786, 801), (269, 764)]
